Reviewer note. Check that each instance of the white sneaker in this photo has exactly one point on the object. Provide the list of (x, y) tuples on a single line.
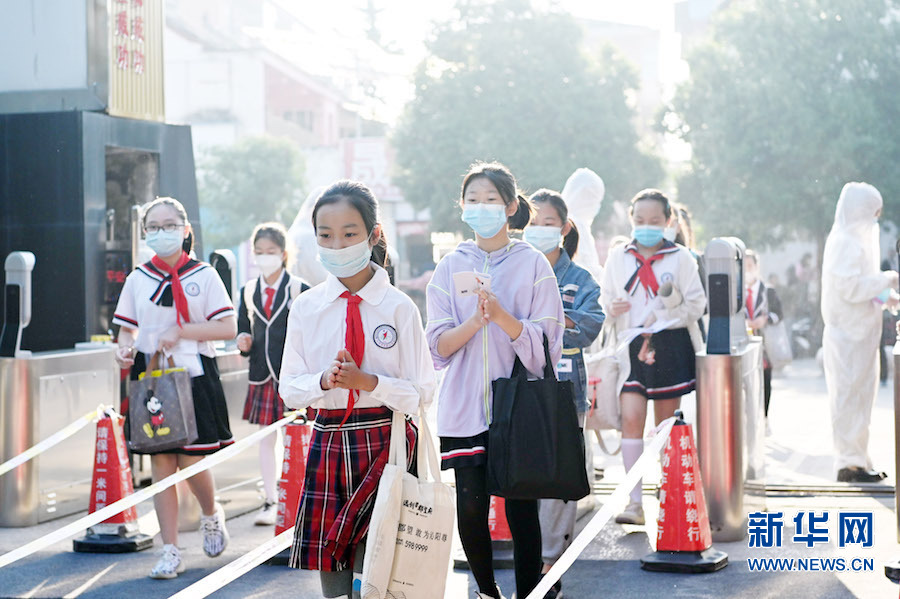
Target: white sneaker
[(267, 515), (215, 535), (483, 596), (633, 514), (169, 565)]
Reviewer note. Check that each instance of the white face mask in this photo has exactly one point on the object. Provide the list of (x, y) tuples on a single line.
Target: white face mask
[(267, 263), (544, 239), (347, 261)]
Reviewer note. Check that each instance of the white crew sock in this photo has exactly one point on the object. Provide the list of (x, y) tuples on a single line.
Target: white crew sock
[(631, 452), (268, 465)]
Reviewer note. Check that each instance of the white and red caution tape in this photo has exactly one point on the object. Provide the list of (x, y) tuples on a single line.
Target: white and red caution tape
[(123, 504), (646, 462), (60, 435)]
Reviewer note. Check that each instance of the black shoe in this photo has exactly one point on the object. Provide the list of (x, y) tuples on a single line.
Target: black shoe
[(555, 591), (860, 475)]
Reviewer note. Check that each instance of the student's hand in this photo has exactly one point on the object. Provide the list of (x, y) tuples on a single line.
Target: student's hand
[(759, 323), (491, 307), (351, 377), (570, 324), (477, 318), (244, 342), (125, 357), (894, 277), (619, 306), (168, 339), (329, 376)]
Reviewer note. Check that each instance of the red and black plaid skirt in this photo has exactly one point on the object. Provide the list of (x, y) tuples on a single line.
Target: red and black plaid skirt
[(343, 468), (263, 404)]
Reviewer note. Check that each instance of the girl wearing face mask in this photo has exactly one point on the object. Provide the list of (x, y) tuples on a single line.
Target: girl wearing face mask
[(179, 306), (477, 339), (552, 233), (356, 352), (262, 326), (646, 280)]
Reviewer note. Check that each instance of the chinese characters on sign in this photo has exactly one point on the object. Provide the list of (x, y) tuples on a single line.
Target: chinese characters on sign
[(128, 32)]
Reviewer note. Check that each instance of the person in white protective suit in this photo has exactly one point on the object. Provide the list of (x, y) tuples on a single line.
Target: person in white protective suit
[(583, 194), (852, 283)]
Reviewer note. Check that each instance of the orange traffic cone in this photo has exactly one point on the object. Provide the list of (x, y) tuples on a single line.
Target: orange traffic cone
[(297, 436), (684, 540), (501, 538), (110, 483)]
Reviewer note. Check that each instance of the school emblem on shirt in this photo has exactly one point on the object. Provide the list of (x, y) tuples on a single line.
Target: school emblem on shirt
[(192, 289), (666, 277), (385, 336)]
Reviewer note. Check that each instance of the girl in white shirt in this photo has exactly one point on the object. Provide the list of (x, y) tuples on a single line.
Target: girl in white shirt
[(356, 352), (645, 281), (178, 306)]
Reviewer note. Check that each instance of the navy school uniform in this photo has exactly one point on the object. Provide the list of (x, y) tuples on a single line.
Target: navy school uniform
[(263, 404)]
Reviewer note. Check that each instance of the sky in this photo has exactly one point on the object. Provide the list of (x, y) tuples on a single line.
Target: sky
[(336, 46)]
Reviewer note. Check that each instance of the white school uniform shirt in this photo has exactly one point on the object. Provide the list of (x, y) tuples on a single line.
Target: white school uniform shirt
[(395, 349), (139, 308), (677, 266)]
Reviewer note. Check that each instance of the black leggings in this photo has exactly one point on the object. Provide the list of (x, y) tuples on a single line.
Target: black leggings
[(472, 505)]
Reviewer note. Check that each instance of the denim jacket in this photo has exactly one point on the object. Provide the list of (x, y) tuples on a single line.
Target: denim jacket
[(581, 303)]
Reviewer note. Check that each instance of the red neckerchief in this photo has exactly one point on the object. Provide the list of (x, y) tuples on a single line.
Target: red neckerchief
[(178, 296), (645, 270), (355, 342)]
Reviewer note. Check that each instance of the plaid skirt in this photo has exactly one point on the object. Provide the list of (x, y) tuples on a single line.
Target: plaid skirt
[(343, 468), (263, 404)]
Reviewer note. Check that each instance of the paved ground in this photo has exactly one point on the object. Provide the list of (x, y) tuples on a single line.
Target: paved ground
[(798, 453)]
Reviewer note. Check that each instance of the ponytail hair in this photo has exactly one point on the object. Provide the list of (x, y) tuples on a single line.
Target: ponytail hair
[(506, 186), (570, 241), (363, 200)]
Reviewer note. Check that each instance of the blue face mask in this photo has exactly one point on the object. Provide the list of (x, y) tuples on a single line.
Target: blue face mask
[(485, 219), (647, 235), (347, 261), (165, 243), (544, 239)]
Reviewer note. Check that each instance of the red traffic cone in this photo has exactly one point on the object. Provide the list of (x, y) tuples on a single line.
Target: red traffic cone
[(297, 436), (110, 483), (684, 540), (501, 538)]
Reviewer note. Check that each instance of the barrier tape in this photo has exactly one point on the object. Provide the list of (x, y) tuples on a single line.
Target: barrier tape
[(123, 504), (644, 464), (234, 570), (52, 440)]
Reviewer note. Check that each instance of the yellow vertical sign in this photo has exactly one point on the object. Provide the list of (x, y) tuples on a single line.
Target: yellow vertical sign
[(135, 30)]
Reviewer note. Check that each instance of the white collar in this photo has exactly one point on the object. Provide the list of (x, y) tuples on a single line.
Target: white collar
[(263, 285), (373, 292)]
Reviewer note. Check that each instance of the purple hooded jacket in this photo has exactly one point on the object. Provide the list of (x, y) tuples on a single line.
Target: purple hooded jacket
[(524, 282)]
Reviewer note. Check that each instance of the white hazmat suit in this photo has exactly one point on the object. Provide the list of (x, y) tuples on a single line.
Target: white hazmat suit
[(583, 193), (851, 280)]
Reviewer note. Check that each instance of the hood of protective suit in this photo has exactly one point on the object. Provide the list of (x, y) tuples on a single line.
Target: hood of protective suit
[(583, 193), (851, 277), (305, 247)]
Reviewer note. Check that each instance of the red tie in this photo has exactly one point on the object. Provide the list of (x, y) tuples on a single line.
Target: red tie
[(750, 302), (178, 296), (267, 307), (645, 270), (354, 341)]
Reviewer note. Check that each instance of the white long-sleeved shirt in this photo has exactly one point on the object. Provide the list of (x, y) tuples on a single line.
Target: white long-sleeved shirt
[(396, 350)]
